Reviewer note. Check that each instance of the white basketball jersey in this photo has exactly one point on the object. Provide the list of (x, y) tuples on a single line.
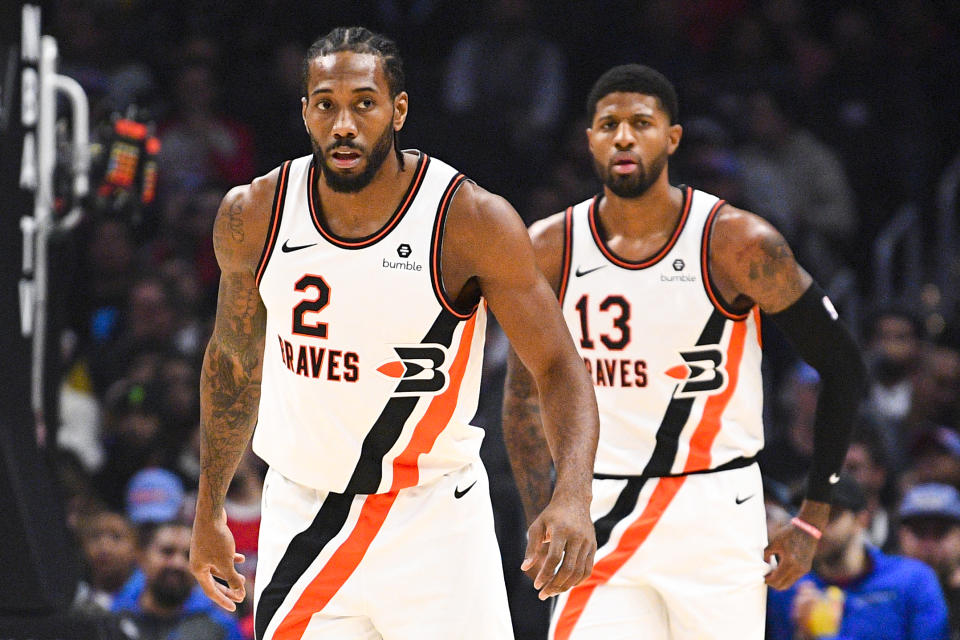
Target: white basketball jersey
[(677, 375), (370, 375)]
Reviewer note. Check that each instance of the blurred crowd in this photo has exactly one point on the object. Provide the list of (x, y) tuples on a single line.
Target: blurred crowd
[(836, 121)]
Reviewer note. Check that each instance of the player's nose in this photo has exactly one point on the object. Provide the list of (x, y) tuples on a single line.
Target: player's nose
[(623, 138), (344, 126)]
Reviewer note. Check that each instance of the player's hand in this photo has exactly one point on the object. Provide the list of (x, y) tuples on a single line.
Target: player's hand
[(795, 547), (560, 546), (213, 554)]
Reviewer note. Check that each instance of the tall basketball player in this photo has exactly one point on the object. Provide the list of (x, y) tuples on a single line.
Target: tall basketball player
[(349, 329), (662, 288)]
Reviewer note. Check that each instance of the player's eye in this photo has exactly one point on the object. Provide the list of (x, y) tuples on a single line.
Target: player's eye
[(324, 105), (366, 103)]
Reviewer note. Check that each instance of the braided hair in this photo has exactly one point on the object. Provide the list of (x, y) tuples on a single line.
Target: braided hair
[(361, 40)]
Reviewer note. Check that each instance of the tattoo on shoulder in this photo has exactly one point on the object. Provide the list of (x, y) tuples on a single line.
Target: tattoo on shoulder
[(775, 254), (235, 220)]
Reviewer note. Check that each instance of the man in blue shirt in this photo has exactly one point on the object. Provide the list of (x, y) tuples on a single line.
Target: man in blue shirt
[(877, 596), (162, 601)]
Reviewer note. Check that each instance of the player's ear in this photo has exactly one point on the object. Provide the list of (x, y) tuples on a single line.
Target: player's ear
[(400, 104), (303, 113), (674, 133), (589, 132)]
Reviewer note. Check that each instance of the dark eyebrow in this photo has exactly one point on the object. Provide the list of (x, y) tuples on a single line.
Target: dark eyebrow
[(357, 90)]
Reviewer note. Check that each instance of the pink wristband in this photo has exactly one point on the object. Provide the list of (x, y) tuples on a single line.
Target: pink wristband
[(806, 527)]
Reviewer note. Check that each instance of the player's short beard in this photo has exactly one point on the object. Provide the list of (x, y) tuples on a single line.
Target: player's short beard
[(354, 183), (632, 185)]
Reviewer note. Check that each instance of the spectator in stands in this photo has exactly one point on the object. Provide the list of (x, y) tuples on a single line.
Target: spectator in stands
[(856, 591), (154, 495), (893, 338), (787, 455), (108, 545), (164, 601), (798, 183), (934, 457), (199, 144), (134, 438), (505, 89), (868, 464), (936, 389), (930, 531)]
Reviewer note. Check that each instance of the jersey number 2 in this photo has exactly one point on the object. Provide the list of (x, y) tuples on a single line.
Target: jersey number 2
[(318, 329)]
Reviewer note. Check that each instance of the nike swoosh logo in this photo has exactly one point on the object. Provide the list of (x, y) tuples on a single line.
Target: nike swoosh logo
[(739, 501), (459, 494), (286, 248), (580, 272)]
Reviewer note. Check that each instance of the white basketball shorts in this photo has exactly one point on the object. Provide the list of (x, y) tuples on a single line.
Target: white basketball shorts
[(420, 563), (678, 559)]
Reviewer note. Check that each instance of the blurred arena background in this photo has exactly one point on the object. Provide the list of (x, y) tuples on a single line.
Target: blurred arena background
[(840, 122)]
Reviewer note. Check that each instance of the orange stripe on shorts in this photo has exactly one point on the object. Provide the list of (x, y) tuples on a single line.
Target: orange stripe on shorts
[(406, 473), (630, 541)]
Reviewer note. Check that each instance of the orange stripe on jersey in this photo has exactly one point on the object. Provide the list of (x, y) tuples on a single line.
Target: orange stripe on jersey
[(706, 432), (274, 229), (406, 473), (567, 255), (339, 567), (756, 321), (630, 541)]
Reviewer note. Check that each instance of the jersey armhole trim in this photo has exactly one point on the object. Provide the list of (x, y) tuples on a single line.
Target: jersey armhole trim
[(276, 214), (435, 273), (567, 254), (708, 286)]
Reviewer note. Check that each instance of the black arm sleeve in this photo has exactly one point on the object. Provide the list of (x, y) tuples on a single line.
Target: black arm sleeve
[(812, 326)]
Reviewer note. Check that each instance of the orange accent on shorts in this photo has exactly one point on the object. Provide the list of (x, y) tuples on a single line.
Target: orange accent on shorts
[(392, 369), (706, 432), (406, 473), (630, 541)]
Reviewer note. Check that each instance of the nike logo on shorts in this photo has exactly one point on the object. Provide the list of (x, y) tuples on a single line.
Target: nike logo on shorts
[(459, 494), (740, 500), (286, 248)]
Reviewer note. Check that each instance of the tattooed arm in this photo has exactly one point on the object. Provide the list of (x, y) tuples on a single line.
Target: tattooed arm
[(522, 426), (230, 384), (523, 434), (752, 264)]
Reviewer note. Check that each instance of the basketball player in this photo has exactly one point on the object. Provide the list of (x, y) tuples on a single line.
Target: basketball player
[(349, 328), (662, 288)]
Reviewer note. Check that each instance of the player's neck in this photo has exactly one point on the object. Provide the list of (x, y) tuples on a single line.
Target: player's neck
[(366, 211), (653, 213)]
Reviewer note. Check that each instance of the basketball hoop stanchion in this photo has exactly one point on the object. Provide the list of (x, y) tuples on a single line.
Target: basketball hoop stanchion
[(40, 87)]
